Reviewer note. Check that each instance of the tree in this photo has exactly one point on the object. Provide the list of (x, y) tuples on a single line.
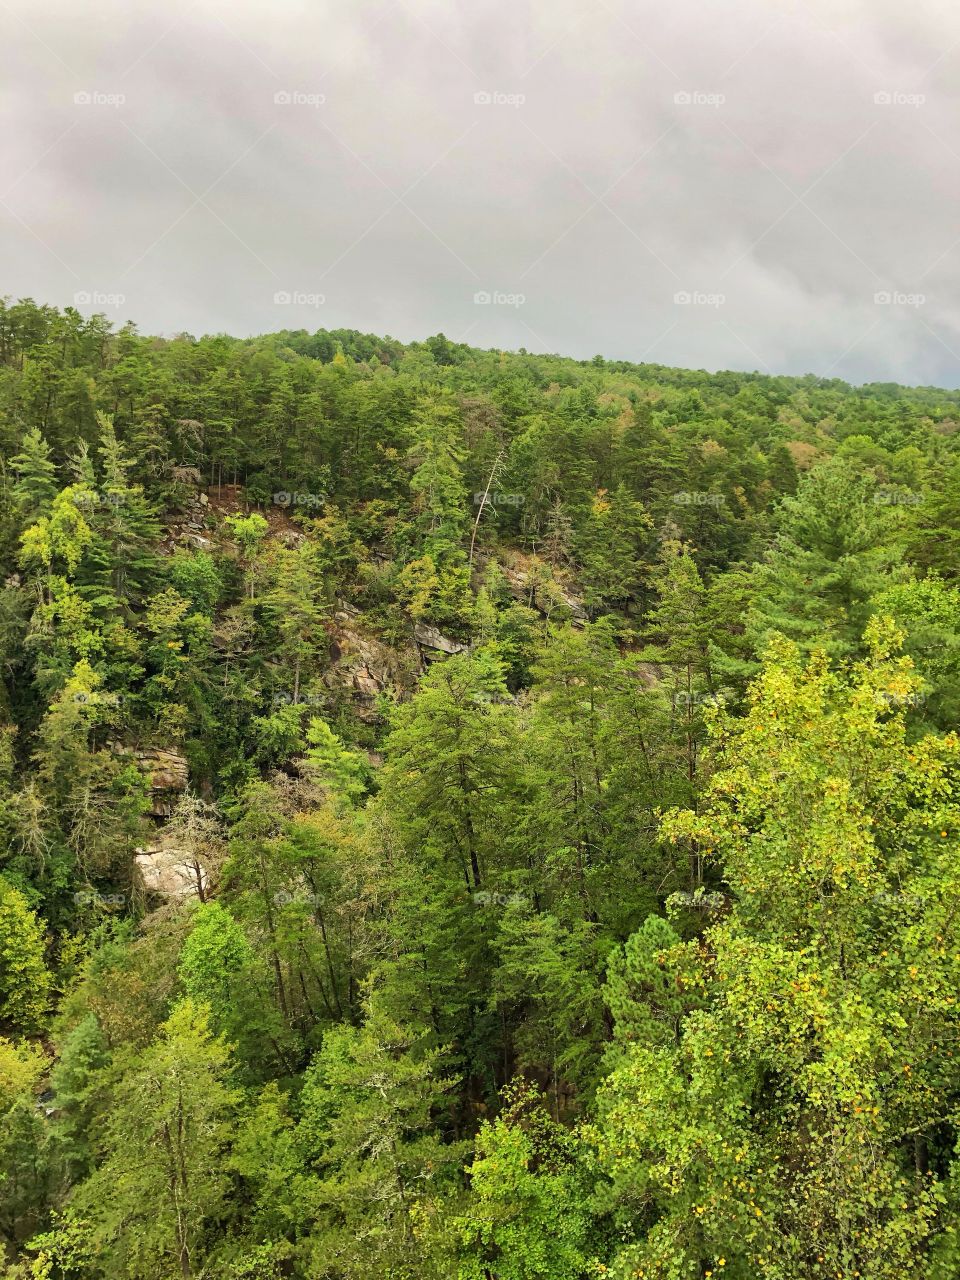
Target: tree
[(220, 972), (249, 532), (296, 607), (123, 556), (36, 484), (25, 981), (342, 771), (80, 1086), (611, 548), (368, 1113), (161, 1179), (437, 481), (927, 610), (28, 1171), (835, 549), (445, 778), (528, 1215), (771, 1100), (932, 533)]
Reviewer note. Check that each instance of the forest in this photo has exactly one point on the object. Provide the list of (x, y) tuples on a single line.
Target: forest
[(472, 815)]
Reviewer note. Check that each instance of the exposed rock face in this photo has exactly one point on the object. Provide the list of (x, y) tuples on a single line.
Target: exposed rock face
[(428, 637), (173, 874), (363, 667), (167, 776)]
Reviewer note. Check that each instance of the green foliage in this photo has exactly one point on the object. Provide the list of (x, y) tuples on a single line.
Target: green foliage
[(370, 1100), (24, 978), (770, 1103), (528, 1215), (557, 885), (160, 1182)]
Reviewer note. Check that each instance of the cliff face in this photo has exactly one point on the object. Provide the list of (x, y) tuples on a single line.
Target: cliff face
[(168, 774), (363, 667), (173, 874)]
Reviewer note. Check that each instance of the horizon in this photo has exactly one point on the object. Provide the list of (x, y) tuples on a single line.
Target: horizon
[(173, 334)]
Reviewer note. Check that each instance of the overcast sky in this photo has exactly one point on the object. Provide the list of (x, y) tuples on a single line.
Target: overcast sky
[(742, 184)]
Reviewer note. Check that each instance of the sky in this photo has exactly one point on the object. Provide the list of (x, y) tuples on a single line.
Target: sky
[(717, 184)]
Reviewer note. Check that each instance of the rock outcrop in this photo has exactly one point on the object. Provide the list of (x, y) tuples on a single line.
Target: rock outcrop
[(434, 641), (167, 774), (168, 873), (363, 667)]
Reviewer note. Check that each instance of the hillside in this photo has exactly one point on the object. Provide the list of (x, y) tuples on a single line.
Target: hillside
[(472, 813)]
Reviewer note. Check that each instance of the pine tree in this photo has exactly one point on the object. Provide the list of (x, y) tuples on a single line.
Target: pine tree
[(371, 1102), (835, 549), (161, 1179), (36, 485)]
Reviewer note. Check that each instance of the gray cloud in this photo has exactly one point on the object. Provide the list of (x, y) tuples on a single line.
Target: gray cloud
[(783, 165)]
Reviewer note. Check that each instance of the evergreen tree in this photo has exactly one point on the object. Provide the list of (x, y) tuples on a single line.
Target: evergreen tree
[(161, 1181)]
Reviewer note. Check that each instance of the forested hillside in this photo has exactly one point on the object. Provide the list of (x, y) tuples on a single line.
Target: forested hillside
[(472, 815)]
